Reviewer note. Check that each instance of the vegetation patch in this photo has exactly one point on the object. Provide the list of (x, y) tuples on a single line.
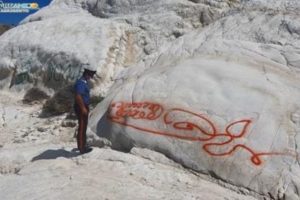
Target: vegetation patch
[(61, 102), (35, 95)]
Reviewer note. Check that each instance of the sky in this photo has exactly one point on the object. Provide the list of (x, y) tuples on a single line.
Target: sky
[(15, 18)]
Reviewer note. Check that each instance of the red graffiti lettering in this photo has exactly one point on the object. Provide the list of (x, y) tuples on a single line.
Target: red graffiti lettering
[(144, 110), (192, 127)]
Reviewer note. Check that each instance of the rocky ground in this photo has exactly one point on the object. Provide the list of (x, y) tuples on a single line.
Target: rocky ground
[(38, 161)]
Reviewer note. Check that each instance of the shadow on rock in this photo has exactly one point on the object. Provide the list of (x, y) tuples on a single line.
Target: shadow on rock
[(119, 141), (53, 154)]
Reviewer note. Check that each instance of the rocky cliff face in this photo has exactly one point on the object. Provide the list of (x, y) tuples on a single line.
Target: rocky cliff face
[(214, 85), (108, 36)]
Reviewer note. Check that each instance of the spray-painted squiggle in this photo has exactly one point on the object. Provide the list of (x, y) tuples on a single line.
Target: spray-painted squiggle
[(203, 130)]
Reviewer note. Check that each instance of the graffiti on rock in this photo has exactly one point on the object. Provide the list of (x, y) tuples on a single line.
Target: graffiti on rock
[(186, 125)]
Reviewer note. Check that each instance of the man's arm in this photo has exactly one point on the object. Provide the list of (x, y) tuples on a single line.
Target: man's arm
[(79, 102)]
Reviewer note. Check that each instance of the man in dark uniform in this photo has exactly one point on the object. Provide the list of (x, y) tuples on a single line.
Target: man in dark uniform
[(81, 106)]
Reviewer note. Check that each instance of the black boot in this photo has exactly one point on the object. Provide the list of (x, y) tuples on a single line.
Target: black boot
[(86, 150)]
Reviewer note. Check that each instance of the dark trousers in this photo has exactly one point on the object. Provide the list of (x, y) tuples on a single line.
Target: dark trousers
[(82, 126)]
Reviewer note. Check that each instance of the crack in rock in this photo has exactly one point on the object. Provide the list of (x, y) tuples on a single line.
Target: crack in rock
[(295, 118), (10, 169), (3, 117)]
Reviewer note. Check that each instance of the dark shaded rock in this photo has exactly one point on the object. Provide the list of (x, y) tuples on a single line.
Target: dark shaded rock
[(4, 27), (61, 102), (35, 94)]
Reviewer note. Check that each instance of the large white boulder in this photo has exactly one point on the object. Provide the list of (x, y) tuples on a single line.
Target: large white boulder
[(232, 120), (223, 100)]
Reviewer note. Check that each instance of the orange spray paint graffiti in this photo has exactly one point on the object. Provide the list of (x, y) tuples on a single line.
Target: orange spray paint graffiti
[(215, 143)]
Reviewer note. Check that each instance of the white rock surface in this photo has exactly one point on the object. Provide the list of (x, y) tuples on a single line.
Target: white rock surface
[(102, 174), (53, 45), (52, 52), (230, 69)]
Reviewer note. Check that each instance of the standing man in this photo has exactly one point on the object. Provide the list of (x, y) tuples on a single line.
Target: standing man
[(81, 106)]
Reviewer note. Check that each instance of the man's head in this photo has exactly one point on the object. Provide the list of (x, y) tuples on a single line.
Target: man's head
[(88, 74)]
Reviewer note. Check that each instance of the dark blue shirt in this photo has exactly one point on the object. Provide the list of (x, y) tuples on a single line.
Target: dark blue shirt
[(81, 87)]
